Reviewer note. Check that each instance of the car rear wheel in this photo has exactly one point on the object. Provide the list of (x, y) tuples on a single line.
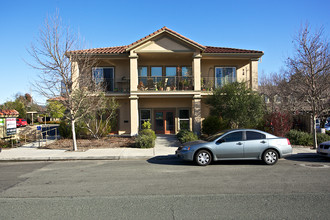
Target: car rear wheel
[(270, 157), (203, 158)]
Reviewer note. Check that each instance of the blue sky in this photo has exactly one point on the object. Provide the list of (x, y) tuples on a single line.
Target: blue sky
[(260, 25)]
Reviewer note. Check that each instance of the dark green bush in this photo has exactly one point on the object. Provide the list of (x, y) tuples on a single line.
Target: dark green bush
[(186, 136), (212, 125), (322, 138), (66, 132), (304, 138), (144, 141), (148, 132)]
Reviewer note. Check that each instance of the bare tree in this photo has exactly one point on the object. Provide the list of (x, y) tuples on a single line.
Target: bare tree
[(308, 75), (64, 72)]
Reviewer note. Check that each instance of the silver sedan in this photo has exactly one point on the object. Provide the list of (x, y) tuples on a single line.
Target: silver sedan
[(239, 144)]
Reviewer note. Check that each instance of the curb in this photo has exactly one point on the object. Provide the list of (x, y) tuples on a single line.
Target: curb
[(21, 159)]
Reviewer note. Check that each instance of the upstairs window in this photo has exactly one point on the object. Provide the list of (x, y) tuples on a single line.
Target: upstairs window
[(104, 76), (224, 75)]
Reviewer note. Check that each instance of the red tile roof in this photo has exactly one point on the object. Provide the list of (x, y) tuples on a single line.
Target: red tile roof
[(210, 49), (6, 113), (125, 49), (104, 50)]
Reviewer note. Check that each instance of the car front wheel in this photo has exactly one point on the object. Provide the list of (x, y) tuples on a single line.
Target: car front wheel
[(203, 157), (270, 157)]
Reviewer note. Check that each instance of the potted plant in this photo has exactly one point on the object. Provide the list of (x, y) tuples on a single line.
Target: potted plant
[(160, 85)]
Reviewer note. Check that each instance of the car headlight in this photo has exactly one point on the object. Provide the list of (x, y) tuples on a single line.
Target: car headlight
[(186, 148)]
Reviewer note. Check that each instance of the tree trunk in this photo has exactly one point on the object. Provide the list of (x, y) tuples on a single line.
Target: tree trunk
[(74, 139), (314, 132)]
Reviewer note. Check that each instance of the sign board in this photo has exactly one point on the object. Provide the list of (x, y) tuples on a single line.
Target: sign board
[(39, 128), (11, 126)]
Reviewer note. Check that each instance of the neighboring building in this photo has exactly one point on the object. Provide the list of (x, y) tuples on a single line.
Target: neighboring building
[(164, 78)]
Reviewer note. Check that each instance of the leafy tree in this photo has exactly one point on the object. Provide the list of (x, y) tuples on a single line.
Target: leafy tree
[(55, 109), (17, 105), (237, 104)]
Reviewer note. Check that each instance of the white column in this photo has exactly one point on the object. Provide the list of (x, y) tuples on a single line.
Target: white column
[(197, 71), (254, 74), (197, 114), (134, 115), (133, 71)]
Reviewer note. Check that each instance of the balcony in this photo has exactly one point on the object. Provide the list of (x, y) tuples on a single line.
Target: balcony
[(109, 85), (165, 83), (210, 83)]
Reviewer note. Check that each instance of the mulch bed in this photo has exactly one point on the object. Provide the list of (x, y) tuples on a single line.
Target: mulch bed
[(85, 144)]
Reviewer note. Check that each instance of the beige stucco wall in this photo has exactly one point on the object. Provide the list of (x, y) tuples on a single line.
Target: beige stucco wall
[(124, 116)]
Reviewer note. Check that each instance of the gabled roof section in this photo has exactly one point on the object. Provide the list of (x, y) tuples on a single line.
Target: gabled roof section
[(204, 49), (165, 30)]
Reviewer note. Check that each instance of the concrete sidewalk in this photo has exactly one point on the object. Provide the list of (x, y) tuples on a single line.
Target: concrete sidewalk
[(166, 145)]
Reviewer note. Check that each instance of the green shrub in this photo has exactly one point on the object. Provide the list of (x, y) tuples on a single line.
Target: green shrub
[(213, 124), (300, 138), (5, 144), (304, 138), (66, 132), (148, 132), (327, 132), (144, 141), (322, 138), (146, 125), (186, 136)]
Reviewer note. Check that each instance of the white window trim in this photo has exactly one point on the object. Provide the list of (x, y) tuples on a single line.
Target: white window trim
[(140, 119), (183, 119)]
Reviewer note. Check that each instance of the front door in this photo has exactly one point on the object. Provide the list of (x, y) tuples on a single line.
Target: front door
[(164, 122)]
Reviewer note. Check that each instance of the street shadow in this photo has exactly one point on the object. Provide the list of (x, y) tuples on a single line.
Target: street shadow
[(173, 160), (308, 157), (169, 160)]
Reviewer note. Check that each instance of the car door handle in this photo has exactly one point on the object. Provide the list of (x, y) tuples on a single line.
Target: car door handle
[(263, 142), (239, 143)]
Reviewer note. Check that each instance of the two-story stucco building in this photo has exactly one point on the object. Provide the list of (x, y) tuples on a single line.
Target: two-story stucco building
[(164, 78)]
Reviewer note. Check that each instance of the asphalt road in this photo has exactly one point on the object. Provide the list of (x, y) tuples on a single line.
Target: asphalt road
[(162, 188)]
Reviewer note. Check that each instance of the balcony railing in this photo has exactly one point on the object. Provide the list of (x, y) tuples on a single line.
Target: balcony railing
[(109, 85), (210, 83), (165, 83)]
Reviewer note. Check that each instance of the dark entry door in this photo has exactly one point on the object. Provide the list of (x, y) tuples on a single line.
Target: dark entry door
[(164, 122)]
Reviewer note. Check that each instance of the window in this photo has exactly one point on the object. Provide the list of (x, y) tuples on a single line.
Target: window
[(170, 71), (184, 119), (156, 73), (145, 115), (252, 135), (232, 137), (143, 71), (224, 75), (143, 75), (104, 76), (186, 71), (170, 76)]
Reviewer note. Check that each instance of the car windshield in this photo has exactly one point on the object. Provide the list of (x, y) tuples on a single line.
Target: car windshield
[(215, 136)]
